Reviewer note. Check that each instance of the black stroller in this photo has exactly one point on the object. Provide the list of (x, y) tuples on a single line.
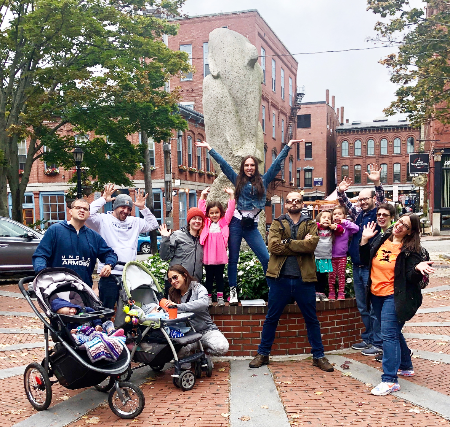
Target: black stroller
[(68, 362), (152, 344)]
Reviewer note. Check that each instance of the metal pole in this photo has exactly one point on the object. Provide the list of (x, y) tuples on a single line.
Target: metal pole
[(168, 185)]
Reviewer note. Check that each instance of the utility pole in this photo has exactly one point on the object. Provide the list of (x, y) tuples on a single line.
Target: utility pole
[(168, 184)]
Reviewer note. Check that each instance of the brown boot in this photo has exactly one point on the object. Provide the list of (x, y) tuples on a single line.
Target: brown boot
[(323, 363), (258, 361)]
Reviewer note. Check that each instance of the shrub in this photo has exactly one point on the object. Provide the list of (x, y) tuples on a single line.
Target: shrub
[(157, 267)]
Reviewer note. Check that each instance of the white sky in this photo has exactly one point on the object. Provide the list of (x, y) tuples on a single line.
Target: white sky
[(357, 80)]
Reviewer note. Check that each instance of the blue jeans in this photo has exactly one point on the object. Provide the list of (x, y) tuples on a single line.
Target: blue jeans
[(396, 354), (254, 239), (280, 293), (108, 291), (372, 334)]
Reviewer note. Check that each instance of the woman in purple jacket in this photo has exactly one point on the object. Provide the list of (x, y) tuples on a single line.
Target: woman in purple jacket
[(339, 252)]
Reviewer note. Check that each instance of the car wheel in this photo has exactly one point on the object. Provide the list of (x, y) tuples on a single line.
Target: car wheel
[(146, 248)]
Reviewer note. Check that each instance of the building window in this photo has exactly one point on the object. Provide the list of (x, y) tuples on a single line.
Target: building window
[(199, 158), (282, 205), (344, 148), (151, 151), (208, 162), (367, 176), (408, 176), (383, 147), (274, 75), (263, 64), (344, 171), (263, 119), (397, 146), (188, 49), (282, 83), (205, 60), (282, 131), (49, 165), (445, 183), (298, 177), (357, 147), (274, 120), (180, 148), (357, 174), (298, 151), (370, 147), (308, 178), (189, 147), (291, 164), (397, 174), (273, 211), (265, 158), (182, 202), (22, 153), (308, 150), (274, 155), (303, 121), (384, 171), (290, 92), (53, 208), (192, 199), (410, 145)]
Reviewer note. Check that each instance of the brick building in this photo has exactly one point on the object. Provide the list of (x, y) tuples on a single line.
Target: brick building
[(316, 157), (386, 143)]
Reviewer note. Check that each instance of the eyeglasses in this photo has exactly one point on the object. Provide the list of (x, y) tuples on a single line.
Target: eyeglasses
[(82, 208), (403, 224), (294, 202), (174, 277), (363, 199), (384, 215)]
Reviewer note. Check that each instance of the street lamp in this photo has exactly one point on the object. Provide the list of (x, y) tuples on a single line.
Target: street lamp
[(78, 154)]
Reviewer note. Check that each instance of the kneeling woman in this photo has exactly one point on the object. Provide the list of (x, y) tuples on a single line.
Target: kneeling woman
[(396, 268), (191, 296)]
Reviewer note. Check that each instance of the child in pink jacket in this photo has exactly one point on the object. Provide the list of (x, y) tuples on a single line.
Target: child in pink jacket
[(214, 238)]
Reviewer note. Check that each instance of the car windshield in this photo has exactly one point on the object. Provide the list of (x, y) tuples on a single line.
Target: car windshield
[(9, 229)]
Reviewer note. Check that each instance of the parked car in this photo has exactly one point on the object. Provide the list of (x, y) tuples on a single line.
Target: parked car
[(144, 244), (17, 245)]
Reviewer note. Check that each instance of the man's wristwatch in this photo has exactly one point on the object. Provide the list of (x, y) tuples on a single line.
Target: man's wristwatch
[(110, 266)]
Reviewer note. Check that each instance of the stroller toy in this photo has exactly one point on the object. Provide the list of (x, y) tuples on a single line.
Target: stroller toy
[(68, 361)]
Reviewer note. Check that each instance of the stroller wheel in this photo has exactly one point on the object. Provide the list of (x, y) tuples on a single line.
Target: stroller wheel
[(176, 382), (157, 368), (187, 380), (126, 400), (209, 368), (37, 386), (125, 376), (105, 385)]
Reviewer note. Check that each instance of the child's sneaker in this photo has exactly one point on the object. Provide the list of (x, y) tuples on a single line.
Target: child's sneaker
[(220, 301), (406, 372), (233, 296), (331, 296), (383, 389), (341, 295), (119, 333), (210, 303), (317, 296), (323, 297)]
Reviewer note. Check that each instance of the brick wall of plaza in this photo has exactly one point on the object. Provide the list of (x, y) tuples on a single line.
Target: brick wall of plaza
[(340, 324), (386, 143)]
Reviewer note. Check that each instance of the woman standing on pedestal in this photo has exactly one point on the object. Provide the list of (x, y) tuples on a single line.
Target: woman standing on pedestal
[(250, 195)]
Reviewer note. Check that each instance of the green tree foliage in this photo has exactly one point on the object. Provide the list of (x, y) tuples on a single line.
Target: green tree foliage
[(421, 68), (92, 65)]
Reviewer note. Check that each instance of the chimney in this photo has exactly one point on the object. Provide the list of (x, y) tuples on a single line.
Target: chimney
[(332, 102), (327, 97), (346, 120), (342, 114), (337, 113)]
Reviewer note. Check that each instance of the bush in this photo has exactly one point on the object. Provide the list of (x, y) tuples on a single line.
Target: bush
[(157, 267)]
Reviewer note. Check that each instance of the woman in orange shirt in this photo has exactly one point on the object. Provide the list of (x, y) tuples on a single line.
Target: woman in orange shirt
[(396, 268)]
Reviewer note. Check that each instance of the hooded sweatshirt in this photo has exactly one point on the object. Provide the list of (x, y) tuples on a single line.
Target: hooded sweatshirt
[(62, 246)]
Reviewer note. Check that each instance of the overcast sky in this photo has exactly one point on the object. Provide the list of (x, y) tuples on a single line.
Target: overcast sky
[(358, 81)]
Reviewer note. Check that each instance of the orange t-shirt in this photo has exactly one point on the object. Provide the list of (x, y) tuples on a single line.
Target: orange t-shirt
[(383, 265)]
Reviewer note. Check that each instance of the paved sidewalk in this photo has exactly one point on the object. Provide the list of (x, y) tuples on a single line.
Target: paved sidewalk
[(288, 392)]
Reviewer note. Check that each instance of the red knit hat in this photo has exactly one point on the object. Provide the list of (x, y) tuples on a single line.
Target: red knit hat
[(194, 212)]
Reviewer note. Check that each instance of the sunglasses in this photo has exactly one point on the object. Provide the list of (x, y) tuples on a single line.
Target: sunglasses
[(82, 208), (293, 201), (174, 277), (403, 224), (384, 215)]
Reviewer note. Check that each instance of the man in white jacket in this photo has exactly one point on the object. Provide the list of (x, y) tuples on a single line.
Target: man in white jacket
[(120, 231)]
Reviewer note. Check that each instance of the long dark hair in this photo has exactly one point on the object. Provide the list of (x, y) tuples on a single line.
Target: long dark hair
[(255, 180), (411, 242), (217, 205), (175, 294)]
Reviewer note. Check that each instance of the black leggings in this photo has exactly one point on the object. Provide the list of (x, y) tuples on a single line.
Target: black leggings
[(322, 282), (214, 272)]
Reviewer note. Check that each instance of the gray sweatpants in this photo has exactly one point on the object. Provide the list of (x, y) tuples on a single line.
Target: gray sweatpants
[(213, 341)]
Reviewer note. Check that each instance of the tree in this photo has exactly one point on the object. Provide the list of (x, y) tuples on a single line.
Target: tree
[(82, 63), (421, 67)]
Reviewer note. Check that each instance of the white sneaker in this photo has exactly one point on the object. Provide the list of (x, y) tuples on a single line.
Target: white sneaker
[(210, 303), (220, 302), (233, 296), (383, 389)]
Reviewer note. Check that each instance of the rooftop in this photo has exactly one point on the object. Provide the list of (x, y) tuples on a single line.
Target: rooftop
[(375, 124)]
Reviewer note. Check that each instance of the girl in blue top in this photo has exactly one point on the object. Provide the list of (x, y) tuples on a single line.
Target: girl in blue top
[(250, 195)]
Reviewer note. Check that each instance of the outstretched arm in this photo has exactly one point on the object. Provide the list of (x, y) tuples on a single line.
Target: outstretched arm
[(343, 199), (226, 168), (374, 175)]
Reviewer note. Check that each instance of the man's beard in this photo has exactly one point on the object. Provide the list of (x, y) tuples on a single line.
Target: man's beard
[(294, 209)]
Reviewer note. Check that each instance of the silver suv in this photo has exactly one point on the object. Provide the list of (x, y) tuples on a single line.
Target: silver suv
[(17, 245)]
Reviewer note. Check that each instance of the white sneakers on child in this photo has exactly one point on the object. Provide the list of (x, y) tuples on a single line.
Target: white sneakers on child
[(220, 301), (233, 296)]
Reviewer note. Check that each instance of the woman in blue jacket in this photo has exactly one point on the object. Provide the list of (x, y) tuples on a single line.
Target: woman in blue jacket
[(250, 195)]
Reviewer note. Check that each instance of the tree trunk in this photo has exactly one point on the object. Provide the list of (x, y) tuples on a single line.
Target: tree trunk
[(3, 193), (148, 188)]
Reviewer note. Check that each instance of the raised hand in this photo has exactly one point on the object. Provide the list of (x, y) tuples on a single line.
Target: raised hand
[(164, 231), (425, 267), (374, 173), (369, 231), (230, 192), (345, 184), (108, 191), (205, 193), (202, 144), (140, 198), (293, 141)]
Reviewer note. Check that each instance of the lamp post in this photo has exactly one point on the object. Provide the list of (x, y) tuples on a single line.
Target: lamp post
[(78, 154)]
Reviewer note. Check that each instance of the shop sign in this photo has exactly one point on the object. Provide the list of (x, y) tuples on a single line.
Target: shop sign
[(318, 182), (419, 163)]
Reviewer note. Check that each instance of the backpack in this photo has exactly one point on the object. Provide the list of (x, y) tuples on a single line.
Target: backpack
[(425, 278)]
